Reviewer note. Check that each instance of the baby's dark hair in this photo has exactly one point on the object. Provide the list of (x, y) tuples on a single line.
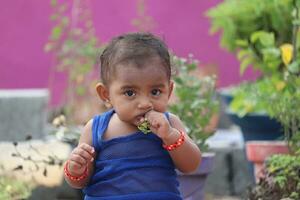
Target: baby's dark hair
[(133, 48)]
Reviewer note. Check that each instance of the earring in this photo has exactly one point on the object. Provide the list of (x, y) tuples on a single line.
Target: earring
[(107, 103)]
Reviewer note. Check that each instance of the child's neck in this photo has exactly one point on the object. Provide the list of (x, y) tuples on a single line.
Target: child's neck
[(117, 128)]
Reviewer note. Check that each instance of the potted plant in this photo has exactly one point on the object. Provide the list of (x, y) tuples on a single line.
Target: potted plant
[(196, 105), (283, 106), (279, 178), (263, 35), (256, 31)]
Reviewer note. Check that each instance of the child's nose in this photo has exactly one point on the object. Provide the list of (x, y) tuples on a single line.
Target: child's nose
[(145, 103)]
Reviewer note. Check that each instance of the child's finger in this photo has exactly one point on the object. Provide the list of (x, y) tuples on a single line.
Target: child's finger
[(88, 148), (74, 165), (83, 153), (148, 114), (78, 159), (155, 124)]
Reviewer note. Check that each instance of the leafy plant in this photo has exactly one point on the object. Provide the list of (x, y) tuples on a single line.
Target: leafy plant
[(281, 180), (255, 30), (195, 99), (10, 188), (263, 35), (74, 47), (143, 22), (245, 98), (283, 105)]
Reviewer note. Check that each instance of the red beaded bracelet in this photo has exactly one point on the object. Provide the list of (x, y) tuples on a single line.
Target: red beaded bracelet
[(75, 178), (178, 143)]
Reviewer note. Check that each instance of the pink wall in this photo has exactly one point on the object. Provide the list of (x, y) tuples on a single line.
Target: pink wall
[(25, 28)]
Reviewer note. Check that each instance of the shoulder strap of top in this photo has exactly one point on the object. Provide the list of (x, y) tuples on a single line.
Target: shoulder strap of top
[(167, 114), (100, 123)]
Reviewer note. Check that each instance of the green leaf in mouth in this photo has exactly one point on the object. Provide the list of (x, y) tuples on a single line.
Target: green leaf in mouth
[(144, 127)]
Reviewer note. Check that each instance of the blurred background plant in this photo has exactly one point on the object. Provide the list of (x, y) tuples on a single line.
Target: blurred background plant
[(265, 36), (281, 176), (195, 99), (143, 22), (281, 180), (74, 47), (11, 188), (283, 105), (262, 34)]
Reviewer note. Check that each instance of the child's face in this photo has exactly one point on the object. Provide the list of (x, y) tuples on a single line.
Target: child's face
[(134, 91)]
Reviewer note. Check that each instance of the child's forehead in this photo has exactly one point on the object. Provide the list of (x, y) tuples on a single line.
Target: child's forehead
[(151, 65), (149, 71)]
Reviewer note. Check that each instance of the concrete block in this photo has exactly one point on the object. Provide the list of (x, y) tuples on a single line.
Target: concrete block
[(231, 174), (23, 112)]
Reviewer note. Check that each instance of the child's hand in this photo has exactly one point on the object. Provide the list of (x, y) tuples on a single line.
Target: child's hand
[(159, 124), (80, 157)]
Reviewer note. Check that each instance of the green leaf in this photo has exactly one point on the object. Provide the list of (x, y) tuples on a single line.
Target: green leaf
[(242, 53), (56, 32), (272, 52), (255, 36), (294, 67), (54, 17), (80, 90), (242, 43), (53, 3), (296, 22), (245, 64), (265, 38), (144, 127)]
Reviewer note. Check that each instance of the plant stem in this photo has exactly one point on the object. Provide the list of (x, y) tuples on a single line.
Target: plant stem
[(295, 30)]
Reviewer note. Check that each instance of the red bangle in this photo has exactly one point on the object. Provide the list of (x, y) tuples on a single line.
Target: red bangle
[(177, 144), (75, 178)]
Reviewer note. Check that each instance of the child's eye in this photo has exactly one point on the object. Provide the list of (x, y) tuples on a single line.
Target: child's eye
[(155, 92), (129, 93)]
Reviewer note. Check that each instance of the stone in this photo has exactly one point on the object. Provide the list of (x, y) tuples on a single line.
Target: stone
[(231, 174), (23, 112)]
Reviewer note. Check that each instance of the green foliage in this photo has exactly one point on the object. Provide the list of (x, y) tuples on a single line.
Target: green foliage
[(10, 188), (281, 179), (195, 99), (264, 35), (74, 47), (254, 30), (245, 98), (281, 101)]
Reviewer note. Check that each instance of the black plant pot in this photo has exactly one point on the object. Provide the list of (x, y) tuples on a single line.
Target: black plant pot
[(256, 126)]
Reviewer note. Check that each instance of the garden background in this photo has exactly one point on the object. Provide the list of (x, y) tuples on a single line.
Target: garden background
[(25, 28), (24, 64)]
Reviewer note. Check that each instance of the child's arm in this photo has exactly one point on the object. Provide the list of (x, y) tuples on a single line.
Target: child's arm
[(187, 156), (80, 159)]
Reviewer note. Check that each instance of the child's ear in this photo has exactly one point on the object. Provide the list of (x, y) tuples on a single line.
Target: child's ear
[(102, 92), (171, 87)]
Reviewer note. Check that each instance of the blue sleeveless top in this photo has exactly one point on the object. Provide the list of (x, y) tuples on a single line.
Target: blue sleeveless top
[(132, 167)]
